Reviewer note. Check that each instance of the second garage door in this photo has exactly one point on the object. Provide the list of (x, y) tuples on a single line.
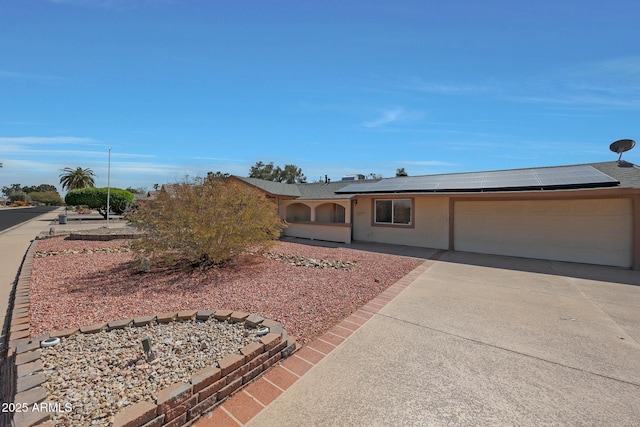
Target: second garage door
[(594, 231)]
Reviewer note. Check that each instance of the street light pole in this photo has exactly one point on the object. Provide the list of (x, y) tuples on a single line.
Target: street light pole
[(108, 187)]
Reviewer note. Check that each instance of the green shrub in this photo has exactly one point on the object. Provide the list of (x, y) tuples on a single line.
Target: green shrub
[(206, 222), (49, 198), (96, 198), (20, 196)]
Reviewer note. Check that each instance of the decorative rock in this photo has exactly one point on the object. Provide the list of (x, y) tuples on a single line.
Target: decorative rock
[(40, 254), (106, 372), (301, 261)]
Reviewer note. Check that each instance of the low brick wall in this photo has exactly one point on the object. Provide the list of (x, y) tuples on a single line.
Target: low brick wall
[(104, 237), (177, 405)]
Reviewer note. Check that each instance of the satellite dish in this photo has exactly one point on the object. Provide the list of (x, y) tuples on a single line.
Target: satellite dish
[(622, 145)]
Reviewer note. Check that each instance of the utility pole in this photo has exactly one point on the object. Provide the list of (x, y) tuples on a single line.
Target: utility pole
[(108, 186)]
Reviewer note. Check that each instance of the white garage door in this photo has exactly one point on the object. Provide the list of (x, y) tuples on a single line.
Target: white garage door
[(595, 231)]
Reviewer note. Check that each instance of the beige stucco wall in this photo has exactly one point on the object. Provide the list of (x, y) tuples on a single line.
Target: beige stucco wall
[(315, 228), (320, 231), (571, 226), (313, 204), (430, 228)]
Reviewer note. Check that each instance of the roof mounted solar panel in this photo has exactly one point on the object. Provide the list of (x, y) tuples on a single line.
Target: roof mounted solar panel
[(581, 176)]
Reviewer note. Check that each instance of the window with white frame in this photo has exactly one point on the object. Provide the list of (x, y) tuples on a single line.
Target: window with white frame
[(393, 211)]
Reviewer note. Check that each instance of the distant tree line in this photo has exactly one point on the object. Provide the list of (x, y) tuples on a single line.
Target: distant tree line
[(290, 174), (24, 195)]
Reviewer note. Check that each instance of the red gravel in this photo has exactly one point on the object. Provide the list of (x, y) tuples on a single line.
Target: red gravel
[(81, 289)]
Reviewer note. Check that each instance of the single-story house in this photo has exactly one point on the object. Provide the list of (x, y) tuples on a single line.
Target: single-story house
[(588, 213)]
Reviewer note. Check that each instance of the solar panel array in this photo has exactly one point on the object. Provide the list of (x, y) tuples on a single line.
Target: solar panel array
[(581, 176)]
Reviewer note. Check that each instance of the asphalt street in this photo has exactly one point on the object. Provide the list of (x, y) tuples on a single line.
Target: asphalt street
[(10, 217)]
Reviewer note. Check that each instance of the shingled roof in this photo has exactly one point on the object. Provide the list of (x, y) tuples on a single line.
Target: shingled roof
[(616, 174), (306, 191), (272, 187), (549, 178), (627, 173)]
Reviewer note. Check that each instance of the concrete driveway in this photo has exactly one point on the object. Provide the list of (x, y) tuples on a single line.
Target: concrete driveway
[(484, 340)]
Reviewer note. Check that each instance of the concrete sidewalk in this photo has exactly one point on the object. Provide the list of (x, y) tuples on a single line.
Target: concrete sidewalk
[(15, 241), (482, 340)]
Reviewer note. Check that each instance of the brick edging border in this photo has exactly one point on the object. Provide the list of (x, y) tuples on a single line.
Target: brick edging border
[(177, 405)]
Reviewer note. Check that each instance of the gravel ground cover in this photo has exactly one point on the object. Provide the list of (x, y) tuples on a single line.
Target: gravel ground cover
[(87, 282), (98, 375), (77, 283)]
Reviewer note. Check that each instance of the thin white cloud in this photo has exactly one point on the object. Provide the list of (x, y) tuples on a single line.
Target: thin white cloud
[(417, 84), (623, 67), (30, 76), (387, 117), (581, 101), (18, 150), (215, 159), (16, 123), (612, 84), (46, 140), (109, 4), (425, 163), (145, 168)]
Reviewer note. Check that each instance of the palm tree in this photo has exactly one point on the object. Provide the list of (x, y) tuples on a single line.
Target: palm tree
[(72, 179)]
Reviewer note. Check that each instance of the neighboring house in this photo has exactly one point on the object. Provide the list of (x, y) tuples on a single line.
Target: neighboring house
[(581, 213)]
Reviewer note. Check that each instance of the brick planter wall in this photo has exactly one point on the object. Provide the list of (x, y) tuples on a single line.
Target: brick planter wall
[(104, 237), (177, 405)]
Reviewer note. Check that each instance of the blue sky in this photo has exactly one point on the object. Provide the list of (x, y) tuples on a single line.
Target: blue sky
[(179, 88)]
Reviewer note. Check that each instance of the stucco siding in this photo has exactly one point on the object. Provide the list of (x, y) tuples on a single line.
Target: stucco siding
[(318, 231), (430, 227)]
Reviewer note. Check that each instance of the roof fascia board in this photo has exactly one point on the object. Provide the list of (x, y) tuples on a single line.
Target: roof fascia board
[(602, 192)]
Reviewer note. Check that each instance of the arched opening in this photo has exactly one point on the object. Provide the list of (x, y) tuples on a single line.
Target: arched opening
[(330, 212), (298, 212)]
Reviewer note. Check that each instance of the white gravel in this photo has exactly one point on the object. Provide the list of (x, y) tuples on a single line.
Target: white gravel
[(101, 374)]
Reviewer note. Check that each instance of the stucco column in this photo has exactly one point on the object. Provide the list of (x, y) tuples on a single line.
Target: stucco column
[(347, 212), (313, 213), (635, 262)]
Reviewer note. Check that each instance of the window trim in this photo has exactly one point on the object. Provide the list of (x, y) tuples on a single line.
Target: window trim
[(374, 223)]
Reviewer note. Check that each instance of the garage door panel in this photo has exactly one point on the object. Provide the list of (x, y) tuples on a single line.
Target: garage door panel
[(597, 231)]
